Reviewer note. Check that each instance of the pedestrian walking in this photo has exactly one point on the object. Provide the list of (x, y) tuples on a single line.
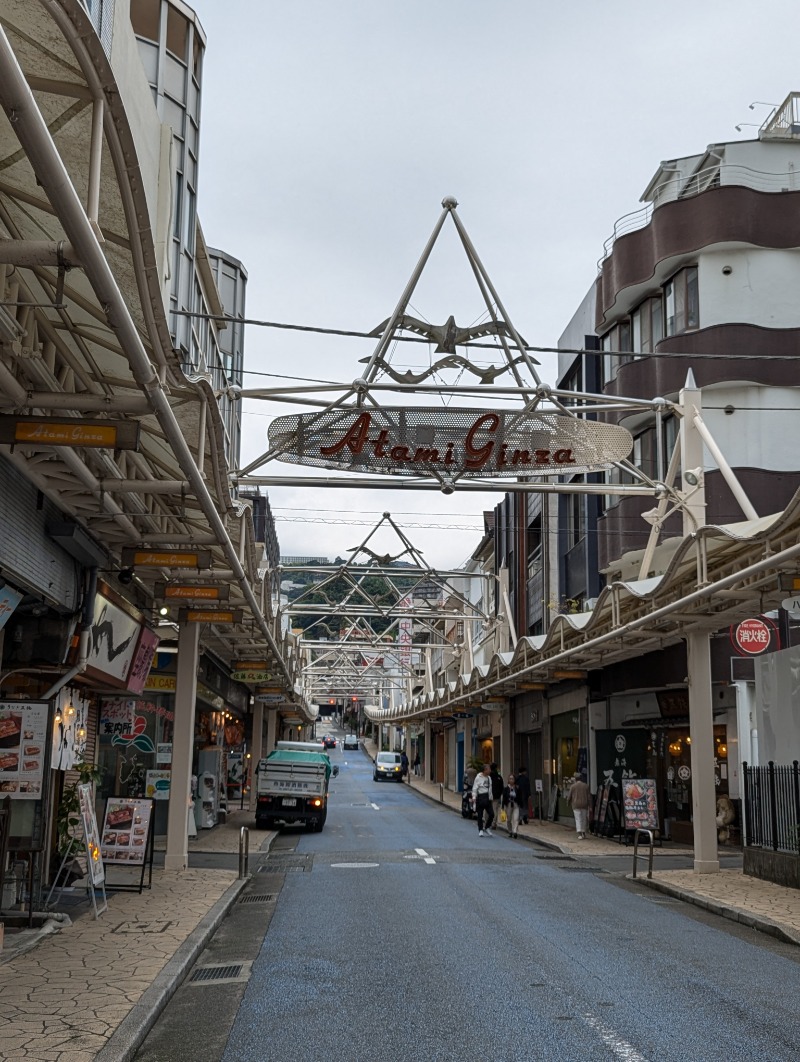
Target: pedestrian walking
[(403, 765), (482, 798), (416, 764), (497, 790), (524, 790), (578, 800), (510, 801)]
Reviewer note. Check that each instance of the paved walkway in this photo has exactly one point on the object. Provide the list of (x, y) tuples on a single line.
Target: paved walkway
[(92, 989)]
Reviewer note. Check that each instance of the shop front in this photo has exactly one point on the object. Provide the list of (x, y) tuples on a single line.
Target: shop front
[(568, 748)]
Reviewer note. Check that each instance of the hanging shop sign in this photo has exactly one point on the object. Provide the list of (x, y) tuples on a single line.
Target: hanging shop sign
[(113, 641), (463, 443), (208, 615), (70, 431), (188, 592), (180, 558), (142, 660), (251, 671), (754, 636)]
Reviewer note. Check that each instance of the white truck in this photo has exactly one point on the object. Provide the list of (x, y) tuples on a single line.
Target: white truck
[(292, 786)]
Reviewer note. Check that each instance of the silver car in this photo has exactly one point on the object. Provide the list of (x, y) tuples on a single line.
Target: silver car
[(388, 765)]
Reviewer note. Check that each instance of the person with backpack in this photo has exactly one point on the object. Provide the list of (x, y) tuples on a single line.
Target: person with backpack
[(497, 790)]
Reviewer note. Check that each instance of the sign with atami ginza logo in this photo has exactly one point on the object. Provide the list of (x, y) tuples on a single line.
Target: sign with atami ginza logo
[(464, 443)]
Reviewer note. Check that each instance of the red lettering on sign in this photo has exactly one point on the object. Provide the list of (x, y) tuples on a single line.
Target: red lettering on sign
[(355, 437), (478, 456)]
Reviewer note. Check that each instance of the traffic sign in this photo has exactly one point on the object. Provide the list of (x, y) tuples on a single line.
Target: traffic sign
[(791, 604)]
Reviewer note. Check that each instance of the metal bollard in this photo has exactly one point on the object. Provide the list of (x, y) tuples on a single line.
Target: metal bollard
[(441, 792), (244, 852)]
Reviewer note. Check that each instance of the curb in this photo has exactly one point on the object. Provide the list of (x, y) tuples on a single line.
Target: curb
[(130, 1034), (733, 914)]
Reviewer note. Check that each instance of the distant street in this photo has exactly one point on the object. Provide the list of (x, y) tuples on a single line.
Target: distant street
[(398, 933)]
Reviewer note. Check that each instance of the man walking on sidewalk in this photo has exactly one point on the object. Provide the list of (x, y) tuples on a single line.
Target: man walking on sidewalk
[(482, 798), (578, 799)]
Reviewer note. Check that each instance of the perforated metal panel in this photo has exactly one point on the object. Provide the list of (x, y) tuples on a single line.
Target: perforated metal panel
[(450, 443)]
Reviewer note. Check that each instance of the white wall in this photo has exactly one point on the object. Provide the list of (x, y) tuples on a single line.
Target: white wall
[(762, 430), (761, 289)]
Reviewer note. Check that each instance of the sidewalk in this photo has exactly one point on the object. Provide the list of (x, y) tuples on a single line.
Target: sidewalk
[(93, 989), (769, 908)]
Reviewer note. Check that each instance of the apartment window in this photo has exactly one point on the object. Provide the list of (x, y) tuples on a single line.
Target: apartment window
[(682, 302), (146, 18), (575, 519), (177, 33), (534, 546)]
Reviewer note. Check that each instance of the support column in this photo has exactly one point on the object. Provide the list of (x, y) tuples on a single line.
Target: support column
[(256, 750), (177, 853), (701, 727), (272, 731), (426, 759)]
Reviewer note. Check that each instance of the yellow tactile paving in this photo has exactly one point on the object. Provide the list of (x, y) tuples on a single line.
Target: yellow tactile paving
[(61, 1001)]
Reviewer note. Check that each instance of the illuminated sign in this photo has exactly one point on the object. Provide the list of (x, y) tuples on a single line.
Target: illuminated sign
[(184, 558), (70, 431), (186, 592), (251, 671), (198, 615), (449, 442)]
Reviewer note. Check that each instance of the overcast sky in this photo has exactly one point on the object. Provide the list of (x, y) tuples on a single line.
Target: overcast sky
[(332, 129)]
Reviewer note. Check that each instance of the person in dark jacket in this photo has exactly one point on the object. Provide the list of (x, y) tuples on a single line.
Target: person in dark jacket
[(497, 790), (511, 805), (403, 765), (524, 791)]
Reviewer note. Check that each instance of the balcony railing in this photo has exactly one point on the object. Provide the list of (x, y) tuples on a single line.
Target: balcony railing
[(688, 186)]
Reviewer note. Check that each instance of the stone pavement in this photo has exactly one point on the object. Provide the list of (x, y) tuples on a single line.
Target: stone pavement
[(92, 989)]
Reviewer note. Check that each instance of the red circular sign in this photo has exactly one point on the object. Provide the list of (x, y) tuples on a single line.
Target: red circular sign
[(751, 636)]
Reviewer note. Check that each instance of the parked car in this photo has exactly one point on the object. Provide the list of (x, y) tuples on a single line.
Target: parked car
[(388, 765), (350, 741)]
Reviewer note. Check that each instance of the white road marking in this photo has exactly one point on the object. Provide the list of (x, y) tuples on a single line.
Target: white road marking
[(425, 856), (376, 806), (354, 866), (620, 1048)]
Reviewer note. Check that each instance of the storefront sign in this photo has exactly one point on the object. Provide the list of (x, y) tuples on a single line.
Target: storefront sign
[(69, 730), (639, 806), (754, 636), (270, 698), (243, 672), (23, 733), (113, 638), (156, 683), (465, 443), (143, 659), (164, 753)]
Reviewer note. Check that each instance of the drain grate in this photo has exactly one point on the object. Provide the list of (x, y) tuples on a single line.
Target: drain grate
[(279, 864), (221, 973), (282, 868), (259, 897)]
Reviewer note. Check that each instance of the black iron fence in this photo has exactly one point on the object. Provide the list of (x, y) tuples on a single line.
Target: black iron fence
[(772, 807)]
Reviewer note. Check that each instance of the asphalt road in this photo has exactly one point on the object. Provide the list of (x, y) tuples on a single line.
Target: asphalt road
[(398, 933)]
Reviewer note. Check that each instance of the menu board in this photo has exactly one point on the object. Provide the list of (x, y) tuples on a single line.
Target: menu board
[(639, 804), (90, 834), (23, 733), (126, 827)]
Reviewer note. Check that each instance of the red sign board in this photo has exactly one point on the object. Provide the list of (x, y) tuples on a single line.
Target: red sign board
[(753, 636)]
